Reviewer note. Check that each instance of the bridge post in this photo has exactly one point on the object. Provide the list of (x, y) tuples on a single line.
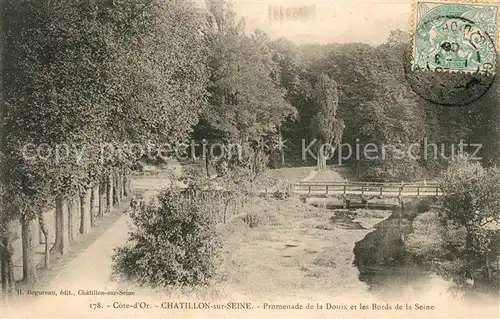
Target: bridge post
[(327, 190), (345, 190), (309, 190), (437, 190), (347, 203), (362, 190), (418, 191), (380, 192)]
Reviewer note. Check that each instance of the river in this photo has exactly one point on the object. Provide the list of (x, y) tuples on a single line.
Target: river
[(388, 269)]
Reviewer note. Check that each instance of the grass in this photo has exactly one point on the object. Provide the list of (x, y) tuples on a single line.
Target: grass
[(284, 249), (288, 253)]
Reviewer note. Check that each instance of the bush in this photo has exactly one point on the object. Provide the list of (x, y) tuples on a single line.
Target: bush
[(281, 194), (174, 242), (427, 238), (461, 239)]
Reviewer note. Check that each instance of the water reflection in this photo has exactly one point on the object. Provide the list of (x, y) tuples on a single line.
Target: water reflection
[(387, 268)]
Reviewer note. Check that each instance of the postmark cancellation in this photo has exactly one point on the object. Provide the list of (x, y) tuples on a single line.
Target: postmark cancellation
[(454, 50)]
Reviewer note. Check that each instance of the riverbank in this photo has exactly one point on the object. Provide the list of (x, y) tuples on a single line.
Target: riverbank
[(289, 249), (278, 252)]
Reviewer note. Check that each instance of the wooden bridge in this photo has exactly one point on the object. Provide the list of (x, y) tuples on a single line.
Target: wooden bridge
[(367, 189)]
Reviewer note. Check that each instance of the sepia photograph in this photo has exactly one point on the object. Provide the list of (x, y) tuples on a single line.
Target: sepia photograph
[(249, 159)]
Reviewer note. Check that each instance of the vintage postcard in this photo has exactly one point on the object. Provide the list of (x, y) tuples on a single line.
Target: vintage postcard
[(250, 159)]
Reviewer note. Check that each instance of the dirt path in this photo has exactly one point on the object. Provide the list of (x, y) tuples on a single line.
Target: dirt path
[(92, 269), (327, 175)]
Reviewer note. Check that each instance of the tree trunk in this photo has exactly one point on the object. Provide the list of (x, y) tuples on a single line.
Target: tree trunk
[(3, 274), (7, 266), (125, 183), (321, 163), (109, 193), (281, 148), (11, 276), (61, 245), (129, 182), (41, 239), (255, 157), (116, 193), (225, 210), (282, 153), (488, 267), (469, 254), (71, 219), (45, 232), (29, 262), (207, 162), (84, 213), (102, 198), (35, 233), (91, 205), (116, 200), (119, 186)]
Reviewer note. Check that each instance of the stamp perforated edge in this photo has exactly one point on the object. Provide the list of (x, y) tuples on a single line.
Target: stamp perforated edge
[(476, 2)]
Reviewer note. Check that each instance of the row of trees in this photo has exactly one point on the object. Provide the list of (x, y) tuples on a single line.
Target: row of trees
[(79, 74)]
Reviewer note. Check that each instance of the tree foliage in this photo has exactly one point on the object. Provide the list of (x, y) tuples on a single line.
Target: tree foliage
[(471, 200), (80, 74), (378, 106), (461, 238), (325, 124)]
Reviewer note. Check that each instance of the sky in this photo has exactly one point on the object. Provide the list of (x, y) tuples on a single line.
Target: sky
[(335, 21)]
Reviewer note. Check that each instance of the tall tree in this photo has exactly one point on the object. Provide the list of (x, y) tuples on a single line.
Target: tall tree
[(328, 128), (294, 78), (246, 102)]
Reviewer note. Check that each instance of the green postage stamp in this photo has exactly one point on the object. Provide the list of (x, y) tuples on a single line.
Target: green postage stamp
[(455, 36)]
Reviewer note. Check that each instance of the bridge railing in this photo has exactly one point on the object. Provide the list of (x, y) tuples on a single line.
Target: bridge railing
[(367, 183), (369, 189)]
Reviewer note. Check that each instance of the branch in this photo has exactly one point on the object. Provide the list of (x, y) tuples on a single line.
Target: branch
[(487, 221)]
